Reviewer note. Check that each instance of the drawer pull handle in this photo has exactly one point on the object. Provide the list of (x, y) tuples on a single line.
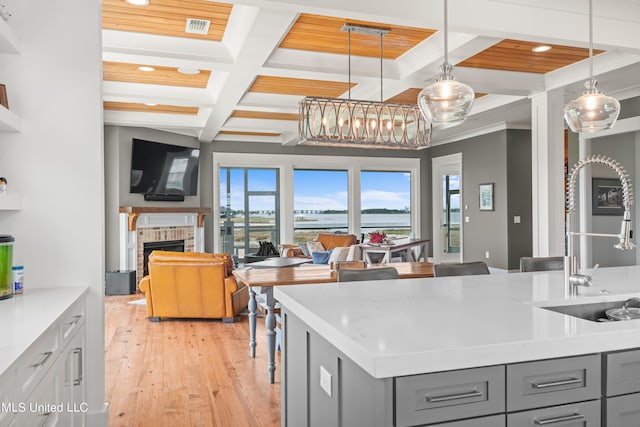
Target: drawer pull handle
[(75, 320), (556, 383), (558, 419), (45, 420), (79, 371), (447, 397), (45, 357)]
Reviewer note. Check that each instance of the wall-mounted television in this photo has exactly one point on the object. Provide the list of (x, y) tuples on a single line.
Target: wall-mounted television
[(163, 169)]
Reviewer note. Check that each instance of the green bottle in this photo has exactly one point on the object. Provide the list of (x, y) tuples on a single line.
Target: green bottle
[(6, 262)]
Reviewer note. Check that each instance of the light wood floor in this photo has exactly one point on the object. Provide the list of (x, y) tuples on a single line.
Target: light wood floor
[(183, 373)]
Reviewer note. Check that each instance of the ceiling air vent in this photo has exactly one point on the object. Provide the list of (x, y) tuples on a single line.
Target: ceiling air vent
[(197, 26)]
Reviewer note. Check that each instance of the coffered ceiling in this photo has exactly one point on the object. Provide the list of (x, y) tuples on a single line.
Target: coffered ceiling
[(241, 79)]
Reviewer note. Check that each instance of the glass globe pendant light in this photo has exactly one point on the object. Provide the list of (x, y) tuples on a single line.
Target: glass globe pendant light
[(446, 100), (593, 111)]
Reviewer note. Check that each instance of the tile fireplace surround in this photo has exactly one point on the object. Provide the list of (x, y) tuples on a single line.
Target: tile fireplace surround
[(140, 225)]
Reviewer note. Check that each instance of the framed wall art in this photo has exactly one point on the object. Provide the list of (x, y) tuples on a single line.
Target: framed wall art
[(606, 196), (3, 96), (486, 197)]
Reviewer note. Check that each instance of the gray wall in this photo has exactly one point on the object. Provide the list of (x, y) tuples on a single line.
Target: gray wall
[(520, 236), (622, 148), (488, 159), (118, 163), (117, 154)]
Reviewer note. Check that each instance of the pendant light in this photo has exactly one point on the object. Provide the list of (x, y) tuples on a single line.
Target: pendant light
[(593, 111), (340, 122), (446, 100)]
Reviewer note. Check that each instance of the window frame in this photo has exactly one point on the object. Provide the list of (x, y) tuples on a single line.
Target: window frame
[(287, 163)]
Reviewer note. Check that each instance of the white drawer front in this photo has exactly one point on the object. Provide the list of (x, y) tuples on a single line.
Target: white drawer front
[(36, 361), (72, 319)]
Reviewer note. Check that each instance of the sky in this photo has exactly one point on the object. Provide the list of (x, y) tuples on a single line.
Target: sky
[(321, 190)]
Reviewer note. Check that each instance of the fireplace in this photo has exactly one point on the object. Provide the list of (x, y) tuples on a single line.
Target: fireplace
[(140, 226), (166, 245)]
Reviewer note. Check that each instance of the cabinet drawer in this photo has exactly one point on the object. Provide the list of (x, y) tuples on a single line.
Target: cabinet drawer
[(41, 407), (447, 396), (586, 414), (72, 319), (8, 403), (494, 421), (623, 372), (36, 361), (552, 382), (622, 411)]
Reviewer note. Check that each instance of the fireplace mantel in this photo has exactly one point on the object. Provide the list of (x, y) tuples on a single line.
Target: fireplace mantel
[(143, 224), (135, 211)]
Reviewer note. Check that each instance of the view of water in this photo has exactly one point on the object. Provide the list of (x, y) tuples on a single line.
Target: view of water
[(341, 220)]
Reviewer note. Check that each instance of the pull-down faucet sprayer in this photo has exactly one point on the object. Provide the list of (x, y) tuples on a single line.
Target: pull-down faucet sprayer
[(572, 278)]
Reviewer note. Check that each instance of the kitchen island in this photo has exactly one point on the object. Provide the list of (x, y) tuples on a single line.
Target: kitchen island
[(458, 351)]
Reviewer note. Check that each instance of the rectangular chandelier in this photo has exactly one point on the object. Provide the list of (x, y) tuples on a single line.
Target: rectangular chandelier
[(366, 124)]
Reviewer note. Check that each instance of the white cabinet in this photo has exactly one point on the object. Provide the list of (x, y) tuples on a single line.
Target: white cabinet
[(46, 385)]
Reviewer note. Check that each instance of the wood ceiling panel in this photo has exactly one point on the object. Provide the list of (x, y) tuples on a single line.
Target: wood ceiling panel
[(410, 96), (124, 72), (243, 133), (166, 17), (133, 106), (516, 55), (243, 114), (303, 87), (323, 34)]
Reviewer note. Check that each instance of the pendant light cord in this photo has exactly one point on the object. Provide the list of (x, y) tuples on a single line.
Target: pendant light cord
[(446, 44), (381, 67), (590, 39), (349, 53)]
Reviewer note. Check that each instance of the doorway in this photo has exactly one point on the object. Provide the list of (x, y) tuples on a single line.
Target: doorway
[(447, 211)]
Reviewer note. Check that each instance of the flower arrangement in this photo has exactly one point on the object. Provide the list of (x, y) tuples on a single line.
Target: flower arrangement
[(377, 237)]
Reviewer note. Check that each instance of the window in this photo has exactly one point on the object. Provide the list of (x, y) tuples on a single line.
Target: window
[(385, 200), (290, 198), (320, 203), (249, 216)]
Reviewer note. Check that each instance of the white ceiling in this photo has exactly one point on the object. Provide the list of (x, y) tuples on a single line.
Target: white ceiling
[(250, 48)]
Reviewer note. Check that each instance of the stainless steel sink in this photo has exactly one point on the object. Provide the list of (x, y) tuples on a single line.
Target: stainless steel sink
[(596, 312)]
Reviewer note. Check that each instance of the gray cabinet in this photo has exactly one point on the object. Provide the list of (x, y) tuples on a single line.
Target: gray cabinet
[(321, 386), (550, 382), (622, 389), (445, 396), (622, 411), (586, 414)]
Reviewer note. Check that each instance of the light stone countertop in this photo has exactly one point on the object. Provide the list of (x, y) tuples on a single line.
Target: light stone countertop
[(24, 318), (411, 326)]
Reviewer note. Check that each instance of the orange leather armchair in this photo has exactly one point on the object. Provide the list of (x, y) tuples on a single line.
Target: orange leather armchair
[(192, 285)]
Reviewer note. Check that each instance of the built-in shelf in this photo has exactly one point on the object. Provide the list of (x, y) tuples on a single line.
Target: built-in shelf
[(9, 42), (9, 121), (10, 202)]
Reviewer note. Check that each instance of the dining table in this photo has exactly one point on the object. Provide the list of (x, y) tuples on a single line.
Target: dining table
[(262, 281)]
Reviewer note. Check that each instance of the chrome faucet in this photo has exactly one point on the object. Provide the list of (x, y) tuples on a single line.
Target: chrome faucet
[(571, 277)]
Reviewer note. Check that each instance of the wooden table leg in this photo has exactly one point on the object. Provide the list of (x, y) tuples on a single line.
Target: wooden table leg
[(270, 323), (252, 321)]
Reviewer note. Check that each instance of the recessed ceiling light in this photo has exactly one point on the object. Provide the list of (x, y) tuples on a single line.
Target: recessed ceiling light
[(146, 68), (138, 2), (150, 104), (185, 70), (541, 48)]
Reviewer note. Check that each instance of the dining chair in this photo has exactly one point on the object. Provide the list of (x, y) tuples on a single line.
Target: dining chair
[(374, 273), (541, 263), (460, 269)]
